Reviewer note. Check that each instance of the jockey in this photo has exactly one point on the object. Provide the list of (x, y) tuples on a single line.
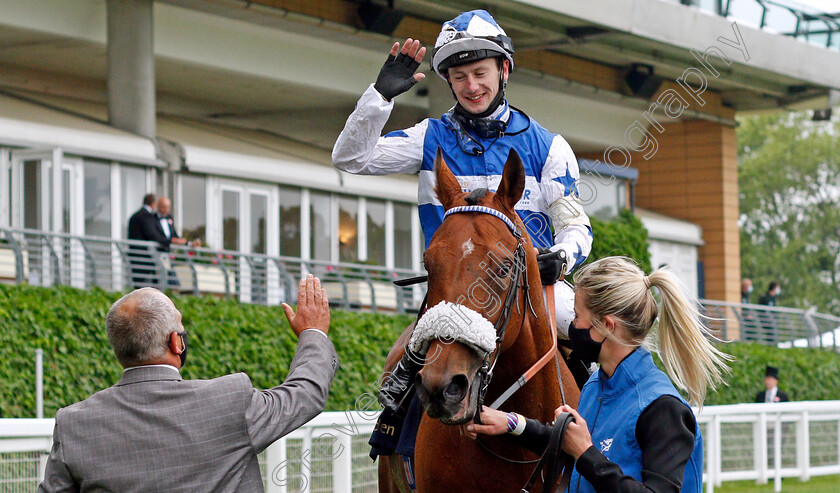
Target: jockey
[(474, 56)]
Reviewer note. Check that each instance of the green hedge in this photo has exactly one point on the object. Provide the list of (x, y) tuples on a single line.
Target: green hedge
[(225, 337), (623, 235), (804, 374)]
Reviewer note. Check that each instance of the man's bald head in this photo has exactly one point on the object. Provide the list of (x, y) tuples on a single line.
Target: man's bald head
[(139, 325), (164, 206)]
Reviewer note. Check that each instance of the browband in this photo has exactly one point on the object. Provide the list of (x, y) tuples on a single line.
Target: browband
[(485, 210)]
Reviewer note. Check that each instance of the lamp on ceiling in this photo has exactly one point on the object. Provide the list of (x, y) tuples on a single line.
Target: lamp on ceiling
[(641, 81), (382, 19)]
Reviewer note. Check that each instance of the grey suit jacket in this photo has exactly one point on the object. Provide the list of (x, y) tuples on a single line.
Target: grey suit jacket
[(154, 431)]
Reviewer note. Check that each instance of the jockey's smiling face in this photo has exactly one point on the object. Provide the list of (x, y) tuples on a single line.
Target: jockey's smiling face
[(476, 84)]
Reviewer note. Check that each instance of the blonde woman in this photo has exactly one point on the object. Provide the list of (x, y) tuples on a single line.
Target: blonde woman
[(632, 431)]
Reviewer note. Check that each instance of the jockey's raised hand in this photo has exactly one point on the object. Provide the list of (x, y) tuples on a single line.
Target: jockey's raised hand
[(397, 75)]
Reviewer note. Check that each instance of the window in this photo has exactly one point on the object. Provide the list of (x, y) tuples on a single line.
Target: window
[(402, 235), (348, 230), (601, 195), (376, 232), (132, 190), (32, 211), (98, 198), (66, 176), (320, 226), (7, 192), (259, 211), (193, 208), (230, 220), (290, 221)]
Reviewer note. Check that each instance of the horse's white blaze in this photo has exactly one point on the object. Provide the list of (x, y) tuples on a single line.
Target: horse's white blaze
[(467, 248), (453, 322)]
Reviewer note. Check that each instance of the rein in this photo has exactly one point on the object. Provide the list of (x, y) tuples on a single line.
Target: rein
[(519, 274), (554, 462)]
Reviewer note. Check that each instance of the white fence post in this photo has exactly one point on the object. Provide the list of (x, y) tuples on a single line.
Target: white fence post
[(777, 453), (343, 464), (39, 383), (42, 466), (276, 467), (710, 457), (803, 447), (760, 444), (718, 461), (307, 461)]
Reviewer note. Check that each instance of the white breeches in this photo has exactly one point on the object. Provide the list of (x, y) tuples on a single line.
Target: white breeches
[(564, 307)]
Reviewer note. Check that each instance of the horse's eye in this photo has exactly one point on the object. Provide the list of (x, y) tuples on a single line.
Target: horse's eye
[(502, 270)]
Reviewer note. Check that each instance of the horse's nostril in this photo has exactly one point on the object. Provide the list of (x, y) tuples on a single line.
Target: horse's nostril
[(457, 388)]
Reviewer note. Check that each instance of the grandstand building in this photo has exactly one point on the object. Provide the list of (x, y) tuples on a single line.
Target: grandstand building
[(231, 108)]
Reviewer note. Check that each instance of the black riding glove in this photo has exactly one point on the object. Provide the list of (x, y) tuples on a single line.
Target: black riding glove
[(552, 265), (396, 76)]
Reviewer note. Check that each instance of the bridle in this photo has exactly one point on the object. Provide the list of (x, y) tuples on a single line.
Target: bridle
[(554, 461), (518, 280)]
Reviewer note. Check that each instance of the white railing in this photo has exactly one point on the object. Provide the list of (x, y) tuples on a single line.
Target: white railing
[(770, 441), (329, 454)]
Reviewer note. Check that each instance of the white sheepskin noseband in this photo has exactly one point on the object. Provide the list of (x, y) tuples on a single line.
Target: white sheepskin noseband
[(453, 322)]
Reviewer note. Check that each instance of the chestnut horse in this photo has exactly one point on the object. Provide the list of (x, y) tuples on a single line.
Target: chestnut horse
[(472, 263)]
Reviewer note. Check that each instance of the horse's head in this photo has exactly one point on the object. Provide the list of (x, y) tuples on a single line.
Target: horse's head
[(476, 262)]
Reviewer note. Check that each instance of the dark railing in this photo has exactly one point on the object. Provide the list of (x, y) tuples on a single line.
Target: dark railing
[(46, 259), (788, 18)]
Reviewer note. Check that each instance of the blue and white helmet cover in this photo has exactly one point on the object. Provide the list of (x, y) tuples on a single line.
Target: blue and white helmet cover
[(470, 31)]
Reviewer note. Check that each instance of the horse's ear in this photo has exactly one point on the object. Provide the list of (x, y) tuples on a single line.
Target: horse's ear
[(513, 181), (447, 187)]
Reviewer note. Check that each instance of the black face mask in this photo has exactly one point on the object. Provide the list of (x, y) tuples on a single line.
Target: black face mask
[(583, 347), (183, 354)]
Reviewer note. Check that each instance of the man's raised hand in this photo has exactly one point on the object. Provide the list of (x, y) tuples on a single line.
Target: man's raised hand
[(397, 75), (313, 309)]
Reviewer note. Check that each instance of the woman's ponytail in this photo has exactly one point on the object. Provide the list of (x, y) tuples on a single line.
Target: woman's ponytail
[(617, 286), (693, 363)]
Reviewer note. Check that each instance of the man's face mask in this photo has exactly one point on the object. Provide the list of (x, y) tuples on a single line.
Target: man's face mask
[(583, 347), (183, 354)]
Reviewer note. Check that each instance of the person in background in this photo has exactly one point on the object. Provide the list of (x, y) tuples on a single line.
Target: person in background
[(632, 431), (773, 292), (770, 327), (771, 392), (746, 290), (155, 431), (144, 225), (167, 225)]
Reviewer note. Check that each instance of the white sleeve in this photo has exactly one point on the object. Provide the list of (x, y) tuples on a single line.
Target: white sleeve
[(360, 148), (559, 188)]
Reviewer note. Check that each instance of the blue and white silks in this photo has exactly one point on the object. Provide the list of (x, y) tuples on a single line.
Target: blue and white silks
[(550, 198)]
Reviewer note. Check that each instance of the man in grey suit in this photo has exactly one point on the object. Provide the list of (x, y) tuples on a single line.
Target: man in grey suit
[(154, 431)]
